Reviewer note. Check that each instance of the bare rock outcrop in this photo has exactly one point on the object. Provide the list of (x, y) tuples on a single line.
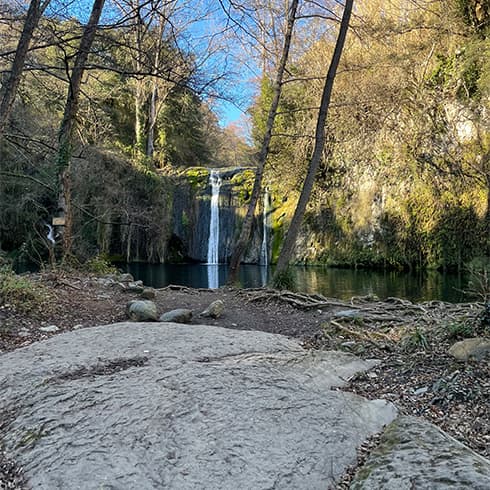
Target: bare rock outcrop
[(161, 405)]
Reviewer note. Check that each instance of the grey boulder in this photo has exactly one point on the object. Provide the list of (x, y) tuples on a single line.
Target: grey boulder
[(350, 314), (132, 287), (414, 453), (125, 277), (214, 310), (148, 293), (49, 329), (142, 311), (180, 315), (477, 348)]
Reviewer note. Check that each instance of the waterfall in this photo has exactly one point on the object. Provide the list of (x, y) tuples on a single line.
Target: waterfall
[(264, 249), (213, 241)]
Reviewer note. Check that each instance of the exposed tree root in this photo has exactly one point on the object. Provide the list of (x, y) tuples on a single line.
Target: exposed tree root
[(369, 310)]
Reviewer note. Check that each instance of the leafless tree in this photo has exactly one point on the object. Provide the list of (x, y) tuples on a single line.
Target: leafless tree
[(9, 88), (242, 242), (290, 240), (65, 137)]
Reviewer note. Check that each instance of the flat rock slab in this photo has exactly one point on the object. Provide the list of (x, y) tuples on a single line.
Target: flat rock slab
[(416, 454), (163, 405)]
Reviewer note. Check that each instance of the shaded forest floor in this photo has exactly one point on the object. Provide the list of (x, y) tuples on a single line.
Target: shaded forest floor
[(411, 341)]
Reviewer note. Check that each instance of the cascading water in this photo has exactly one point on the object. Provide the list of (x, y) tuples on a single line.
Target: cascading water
[(264, 249), (213, 241)]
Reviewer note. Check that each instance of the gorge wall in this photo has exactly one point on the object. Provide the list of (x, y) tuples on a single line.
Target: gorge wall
[(191, 214)]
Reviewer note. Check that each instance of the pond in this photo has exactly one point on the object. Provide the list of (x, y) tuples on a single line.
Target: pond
[(331, 282)]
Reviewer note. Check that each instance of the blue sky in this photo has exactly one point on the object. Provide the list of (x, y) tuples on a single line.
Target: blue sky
[(235, 92), (229, 113)]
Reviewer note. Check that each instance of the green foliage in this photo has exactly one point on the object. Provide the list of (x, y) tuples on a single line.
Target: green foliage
[(284, 280), (260, 110), (243, 185), (135, 204), (100, 266), (197, 177), (415, 340), (19, 292), (181, 139), (479, 278), (443, 71), (460, 330)]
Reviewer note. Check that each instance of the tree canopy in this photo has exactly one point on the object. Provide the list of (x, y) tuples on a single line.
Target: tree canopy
[(403, 179)]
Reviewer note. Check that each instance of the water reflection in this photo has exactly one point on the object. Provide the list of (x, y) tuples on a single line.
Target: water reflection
[(338, 283), (213, 276), (263, 275)]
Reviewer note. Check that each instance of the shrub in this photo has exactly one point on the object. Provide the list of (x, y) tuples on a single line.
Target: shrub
[(460, 330), (284, 280), (100, 266), (479, 279), (415, 340), (19, 292)]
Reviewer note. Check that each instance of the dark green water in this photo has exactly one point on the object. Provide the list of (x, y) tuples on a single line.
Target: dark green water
[(338, 283)]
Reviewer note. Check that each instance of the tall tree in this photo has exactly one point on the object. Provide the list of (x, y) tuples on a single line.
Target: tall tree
[(290, 240), (9, 88), (242, 242), (65, 136)]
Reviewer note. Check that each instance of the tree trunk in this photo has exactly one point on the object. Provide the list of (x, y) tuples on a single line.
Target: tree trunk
[(68, 124), (139, 90), (152, 120), (9, 89), (262, 156), (152, 115), (289, 242)]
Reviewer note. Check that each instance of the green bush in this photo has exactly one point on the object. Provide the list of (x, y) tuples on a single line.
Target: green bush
[(19, 292), (100, 266), (479, 278), (460, 330), (284, 280), (415, 340)]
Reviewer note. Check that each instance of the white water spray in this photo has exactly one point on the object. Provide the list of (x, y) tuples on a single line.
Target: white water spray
[(213, 241), (264, 249), (50, 235)]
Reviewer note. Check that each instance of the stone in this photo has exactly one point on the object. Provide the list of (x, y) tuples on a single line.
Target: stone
[(131, 287), (348, 344), (214, 310), (148, 293), (134, 287), (49, 329), (151, 405), (348, 314), (126, 277), (414, 453), (477, 348), (180, 315), (142, 310), (105, 281)]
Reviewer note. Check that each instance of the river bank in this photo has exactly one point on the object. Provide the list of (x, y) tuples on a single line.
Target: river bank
[(412, 341)]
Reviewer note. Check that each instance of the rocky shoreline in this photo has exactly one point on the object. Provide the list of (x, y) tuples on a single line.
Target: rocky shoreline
[(416, 372)]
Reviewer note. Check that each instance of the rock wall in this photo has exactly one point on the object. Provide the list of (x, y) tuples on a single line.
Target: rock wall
[(191, 213)]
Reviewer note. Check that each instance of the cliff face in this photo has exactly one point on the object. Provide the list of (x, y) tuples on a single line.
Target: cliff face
[(192, 212)]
